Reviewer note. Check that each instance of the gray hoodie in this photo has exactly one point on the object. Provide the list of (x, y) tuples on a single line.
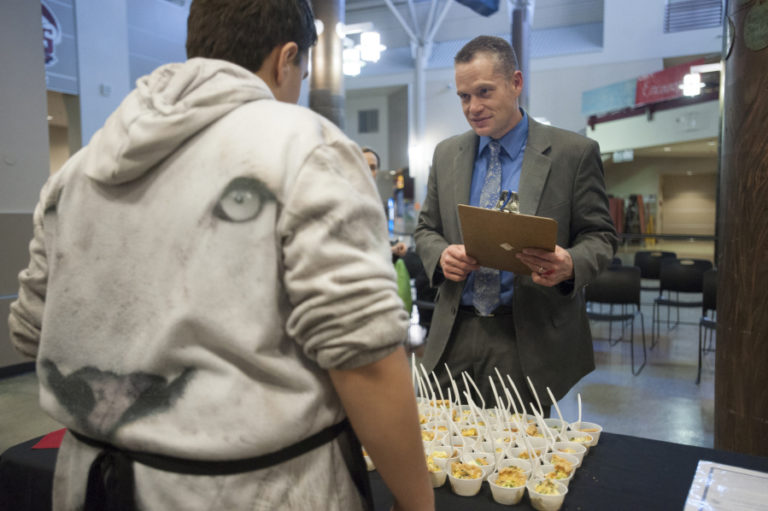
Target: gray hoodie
[(200, 264)]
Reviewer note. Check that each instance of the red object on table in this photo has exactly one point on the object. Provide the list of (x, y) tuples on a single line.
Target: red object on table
[(52, 440)]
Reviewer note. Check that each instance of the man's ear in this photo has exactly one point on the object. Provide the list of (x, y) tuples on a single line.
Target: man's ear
[(286, 56)]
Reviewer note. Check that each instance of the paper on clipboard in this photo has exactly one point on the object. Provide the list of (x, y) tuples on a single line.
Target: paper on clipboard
[(494, 238)]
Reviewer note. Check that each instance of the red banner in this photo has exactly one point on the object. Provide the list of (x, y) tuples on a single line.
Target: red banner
[(663, 85)]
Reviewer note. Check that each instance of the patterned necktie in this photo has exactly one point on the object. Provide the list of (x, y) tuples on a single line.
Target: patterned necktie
[(487, 286)]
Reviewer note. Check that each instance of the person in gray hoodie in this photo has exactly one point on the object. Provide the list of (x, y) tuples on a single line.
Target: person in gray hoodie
[(210, 297)]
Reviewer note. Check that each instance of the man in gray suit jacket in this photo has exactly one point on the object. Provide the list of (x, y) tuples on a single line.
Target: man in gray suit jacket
[(535, 324)]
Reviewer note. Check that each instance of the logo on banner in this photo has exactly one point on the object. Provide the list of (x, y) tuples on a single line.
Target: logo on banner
[(51, 35)]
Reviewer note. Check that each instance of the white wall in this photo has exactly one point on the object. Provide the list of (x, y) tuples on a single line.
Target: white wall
[(692, 122), (378, 141), (102, 52)]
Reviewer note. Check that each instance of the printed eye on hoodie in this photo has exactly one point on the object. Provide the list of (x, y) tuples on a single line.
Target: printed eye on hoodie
[(243, 199)]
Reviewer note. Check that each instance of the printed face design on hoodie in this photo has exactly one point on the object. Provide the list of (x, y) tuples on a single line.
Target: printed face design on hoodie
[(242, 200)]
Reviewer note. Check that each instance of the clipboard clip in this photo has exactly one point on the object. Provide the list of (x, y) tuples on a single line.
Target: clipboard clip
[(508, 202)]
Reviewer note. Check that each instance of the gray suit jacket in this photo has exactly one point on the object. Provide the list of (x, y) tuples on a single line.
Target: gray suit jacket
[(561, 178)]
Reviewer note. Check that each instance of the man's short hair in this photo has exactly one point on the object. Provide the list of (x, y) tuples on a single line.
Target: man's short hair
[(369, 150), (244, 32), (505, 55)]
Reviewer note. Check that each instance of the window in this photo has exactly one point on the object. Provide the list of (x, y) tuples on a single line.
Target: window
[(681, 15), (368, 121)]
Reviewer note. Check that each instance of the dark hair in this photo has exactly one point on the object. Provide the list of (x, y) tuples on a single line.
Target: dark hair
[(369, 150), (505, 55), (244, 32)]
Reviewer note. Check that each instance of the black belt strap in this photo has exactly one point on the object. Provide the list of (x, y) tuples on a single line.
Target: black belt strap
[(110, 478)]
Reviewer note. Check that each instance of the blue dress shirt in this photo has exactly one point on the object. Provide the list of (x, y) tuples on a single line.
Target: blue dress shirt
[(511, 156)]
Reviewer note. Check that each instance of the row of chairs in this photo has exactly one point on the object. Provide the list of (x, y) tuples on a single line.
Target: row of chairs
[(620, 286)]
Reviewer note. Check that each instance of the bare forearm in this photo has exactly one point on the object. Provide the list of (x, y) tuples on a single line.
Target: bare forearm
[(381, 406)]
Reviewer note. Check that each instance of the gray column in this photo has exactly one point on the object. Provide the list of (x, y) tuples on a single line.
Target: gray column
[(521, 42), (741, 399), (326, 94)]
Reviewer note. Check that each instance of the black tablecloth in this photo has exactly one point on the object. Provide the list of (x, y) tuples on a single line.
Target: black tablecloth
[(621, 473)]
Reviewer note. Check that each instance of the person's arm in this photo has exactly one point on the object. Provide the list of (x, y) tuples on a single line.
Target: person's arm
[(428, 235), (593, 237), (26, 316), (381, 405)]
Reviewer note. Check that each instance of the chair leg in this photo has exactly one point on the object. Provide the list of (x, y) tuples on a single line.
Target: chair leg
[(698, 372), (632, 344), (654, 325)]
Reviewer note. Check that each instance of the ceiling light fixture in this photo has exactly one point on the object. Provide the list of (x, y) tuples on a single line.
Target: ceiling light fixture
[(365, 47), (692, 84)]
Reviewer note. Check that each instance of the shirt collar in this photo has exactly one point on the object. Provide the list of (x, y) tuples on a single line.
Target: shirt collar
[(513, 140)]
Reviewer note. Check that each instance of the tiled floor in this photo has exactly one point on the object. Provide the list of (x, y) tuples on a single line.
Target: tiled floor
[(663, 402)]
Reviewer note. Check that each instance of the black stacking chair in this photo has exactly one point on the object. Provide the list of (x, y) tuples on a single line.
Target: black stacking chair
[(708, 321), (618, 285), (649, 262), (678, 276)]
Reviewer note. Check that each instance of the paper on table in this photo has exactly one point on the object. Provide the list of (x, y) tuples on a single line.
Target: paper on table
[(718, 487)]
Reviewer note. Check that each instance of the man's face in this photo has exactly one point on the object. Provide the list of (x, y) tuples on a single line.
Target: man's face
[(488, 97), (297, 72), (372, 163)]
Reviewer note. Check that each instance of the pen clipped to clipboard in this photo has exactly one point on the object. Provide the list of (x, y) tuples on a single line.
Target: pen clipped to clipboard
[(495, 236)]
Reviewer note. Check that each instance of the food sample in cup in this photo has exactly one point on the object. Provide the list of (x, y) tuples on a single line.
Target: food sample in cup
[(559, 472), (436, 473), (546, 494), (524, 455), (532, 430), (547, 487), (471, 432), (562, 465), (466, 471), (466, 479), (511, 477)]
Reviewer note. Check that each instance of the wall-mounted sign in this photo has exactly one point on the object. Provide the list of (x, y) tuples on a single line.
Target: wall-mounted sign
[(51, 35), (60, 46), (663, 85)]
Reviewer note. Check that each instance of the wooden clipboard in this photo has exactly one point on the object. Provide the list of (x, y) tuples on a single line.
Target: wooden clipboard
[(494, 238)]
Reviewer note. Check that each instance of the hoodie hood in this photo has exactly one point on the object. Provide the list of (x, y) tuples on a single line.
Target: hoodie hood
[(167, 107)]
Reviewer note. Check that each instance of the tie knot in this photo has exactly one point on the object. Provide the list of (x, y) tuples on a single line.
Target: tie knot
[(495, 148)]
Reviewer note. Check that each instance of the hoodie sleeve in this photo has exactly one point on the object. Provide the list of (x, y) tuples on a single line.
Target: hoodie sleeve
[(338, 270), (26, 317)]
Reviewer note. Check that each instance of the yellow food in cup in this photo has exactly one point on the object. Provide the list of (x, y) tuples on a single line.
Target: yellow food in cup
[(547, 487), (511, 477), (465, 471), (431, 465), (563, 463)]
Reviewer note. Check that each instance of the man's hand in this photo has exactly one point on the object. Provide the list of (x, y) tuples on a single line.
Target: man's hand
[(399, 249), (548, 268), (456, 264)]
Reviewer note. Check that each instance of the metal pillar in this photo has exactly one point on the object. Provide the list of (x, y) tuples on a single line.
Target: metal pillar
[(521, 13), (421, 49), (326, 93), (741, 395)]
